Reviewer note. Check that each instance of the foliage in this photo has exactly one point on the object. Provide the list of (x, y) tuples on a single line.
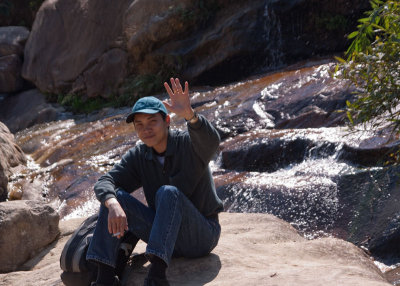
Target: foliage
[(132, 89), (139, 86), (77, 103), (331, 22), (373, 66), (34, 5)]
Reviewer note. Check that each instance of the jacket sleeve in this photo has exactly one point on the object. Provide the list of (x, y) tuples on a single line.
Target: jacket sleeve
[(122, 175), (205, 139)]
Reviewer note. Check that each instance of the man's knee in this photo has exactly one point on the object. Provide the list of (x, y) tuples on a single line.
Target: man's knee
[(167, 192)]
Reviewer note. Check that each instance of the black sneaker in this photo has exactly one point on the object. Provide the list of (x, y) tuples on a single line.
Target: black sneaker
[(116, 283), (154, 281)]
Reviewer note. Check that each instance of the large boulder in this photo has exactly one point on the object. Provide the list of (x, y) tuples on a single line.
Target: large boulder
[(12, 41), (71, 38), (254, 249), (205, 42), (11, 155), (26, 109), (26, 227), (369, 210)]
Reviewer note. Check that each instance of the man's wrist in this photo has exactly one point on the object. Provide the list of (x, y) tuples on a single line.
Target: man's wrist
[(110, 202), (191, 115), (193, 118)]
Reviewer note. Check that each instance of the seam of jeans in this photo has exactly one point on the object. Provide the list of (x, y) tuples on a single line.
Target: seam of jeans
[(170, 224), (159, 254)]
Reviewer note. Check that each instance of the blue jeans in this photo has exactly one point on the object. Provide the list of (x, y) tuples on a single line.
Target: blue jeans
[(175, 227)]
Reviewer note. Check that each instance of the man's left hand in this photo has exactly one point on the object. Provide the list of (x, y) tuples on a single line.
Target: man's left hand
[(179, 99)]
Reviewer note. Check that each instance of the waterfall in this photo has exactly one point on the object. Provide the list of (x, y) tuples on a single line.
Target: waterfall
[(273, 38)]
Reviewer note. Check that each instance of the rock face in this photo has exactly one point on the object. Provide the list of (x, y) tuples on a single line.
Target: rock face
[(180, 36), (254, 249), (72, 43), (26, 227), (12, 41), (370, 200), (313, 27), (26, 109), (10, 156)]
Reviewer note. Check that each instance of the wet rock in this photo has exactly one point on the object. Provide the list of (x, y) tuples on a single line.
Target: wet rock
[(308, 98), (269, 151), (11, 155), (26, 227), (15, 192), (105, 76), (393, 276), (27, 109), (10, 73), (249, 243), (369, 212), (368, 157), (296, 98), (79, 35), (265, 155), (12, 40), (386, 245)]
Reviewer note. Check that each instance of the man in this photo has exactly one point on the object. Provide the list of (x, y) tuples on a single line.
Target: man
[(181, 218)]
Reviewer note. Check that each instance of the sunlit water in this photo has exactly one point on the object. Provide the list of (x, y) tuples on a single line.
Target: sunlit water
[(68, 156)]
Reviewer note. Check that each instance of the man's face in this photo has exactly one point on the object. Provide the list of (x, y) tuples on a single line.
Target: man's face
[(152, 130)]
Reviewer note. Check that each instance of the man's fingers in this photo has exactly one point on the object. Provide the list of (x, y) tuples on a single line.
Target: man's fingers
[(186, 91), (178, 85), (173, 84), (169, 91), (122, 225)]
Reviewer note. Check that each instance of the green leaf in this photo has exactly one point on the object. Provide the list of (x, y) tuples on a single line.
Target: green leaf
[(339, 59), (353, 34), (350, 117)]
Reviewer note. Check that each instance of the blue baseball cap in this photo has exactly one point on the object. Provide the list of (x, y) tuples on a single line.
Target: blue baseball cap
[(148, 105)]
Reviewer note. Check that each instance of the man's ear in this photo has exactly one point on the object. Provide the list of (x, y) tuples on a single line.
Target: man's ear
[(168, 119)]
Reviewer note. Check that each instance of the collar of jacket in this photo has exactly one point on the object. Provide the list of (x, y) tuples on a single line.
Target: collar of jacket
[(170, 147)]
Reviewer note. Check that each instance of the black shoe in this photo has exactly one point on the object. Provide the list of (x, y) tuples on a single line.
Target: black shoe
[(154, 281), (116, 283)]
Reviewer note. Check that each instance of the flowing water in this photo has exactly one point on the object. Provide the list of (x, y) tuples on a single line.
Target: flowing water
[(66, 157)]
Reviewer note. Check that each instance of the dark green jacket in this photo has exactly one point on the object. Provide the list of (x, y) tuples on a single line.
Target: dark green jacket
[(186, 167)]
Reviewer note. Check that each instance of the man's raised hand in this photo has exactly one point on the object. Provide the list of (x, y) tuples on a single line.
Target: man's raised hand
[(179, 102)]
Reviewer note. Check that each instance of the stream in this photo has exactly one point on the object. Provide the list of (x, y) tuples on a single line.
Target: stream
[(285, 150)]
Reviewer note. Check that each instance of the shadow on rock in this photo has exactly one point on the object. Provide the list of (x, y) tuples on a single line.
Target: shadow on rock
[(182, 271)]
